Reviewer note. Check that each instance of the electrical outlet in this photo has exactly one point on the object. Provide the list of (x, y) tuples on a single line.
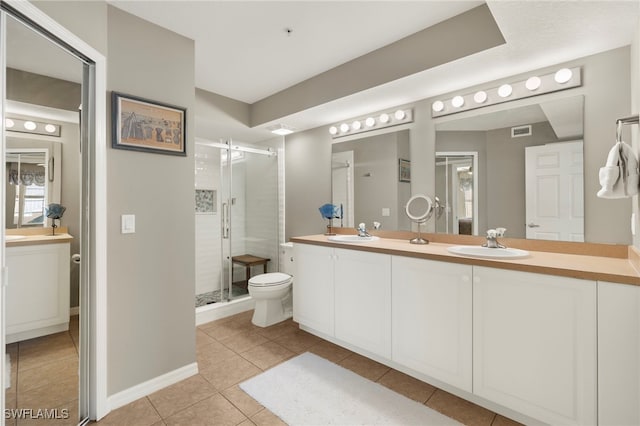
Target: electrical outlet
[(128, 224)]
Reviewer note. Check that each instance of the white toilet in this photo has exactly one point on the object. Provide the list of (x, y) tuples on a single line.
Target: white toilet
[(272, 291)]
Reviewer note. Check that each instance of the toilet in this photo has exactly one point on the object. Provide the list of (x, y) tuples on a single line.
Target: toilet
[(272, 291)]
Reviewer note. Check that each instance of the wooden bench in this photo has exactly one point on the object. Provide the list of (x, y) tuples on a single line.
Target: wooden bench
[(248, 260)]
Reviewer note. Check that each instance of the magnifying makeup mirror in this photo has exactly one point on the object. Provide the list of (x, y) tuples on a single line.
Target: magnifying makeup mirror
[(419, 209)]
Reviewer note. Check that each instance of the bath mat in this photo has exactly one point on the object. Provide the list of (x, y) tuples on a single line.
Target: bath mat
[(309, 390)]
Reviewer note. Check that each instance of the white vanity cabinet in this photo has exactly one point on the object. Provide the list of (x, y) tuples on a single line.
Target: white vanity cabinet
[(344, 294), (37, 294), (618, 354), (432, 319), (313, 288), (534, 344), (363, 300)]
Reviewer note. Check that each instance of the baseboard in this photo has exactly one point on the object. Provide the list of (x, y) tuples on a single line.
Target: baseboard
[(73, 311), (127, 396), (217, 311)]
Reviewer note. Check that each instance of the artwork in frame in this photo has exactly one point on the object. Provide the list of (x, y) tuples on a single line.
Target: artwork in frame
[(404, 170), (144, 125)]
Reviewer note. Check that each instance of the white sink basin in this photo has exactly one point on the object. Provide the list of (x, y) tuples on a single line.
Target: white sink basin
[(352, 238), (489, 253), (14, 237)]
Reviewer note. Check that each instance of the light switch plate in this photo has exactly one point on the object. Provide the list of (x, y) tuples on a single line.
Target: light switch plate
[(386, 211), (128, 224)]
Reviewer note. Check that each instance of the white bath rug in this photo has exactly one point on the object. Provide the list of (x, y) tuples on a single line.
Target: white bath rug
[(309, 390)]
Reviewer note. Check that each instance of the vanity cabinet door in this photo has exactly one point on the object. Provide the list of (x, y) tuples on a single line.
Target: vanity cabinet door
[(618, 354), (37, 296), (363, 300), (534, 344), (313, 300), (432, 319)]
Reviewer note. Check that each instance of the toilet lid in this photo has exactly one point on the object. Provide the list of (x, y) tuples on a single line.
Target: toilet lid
[(272, 278)]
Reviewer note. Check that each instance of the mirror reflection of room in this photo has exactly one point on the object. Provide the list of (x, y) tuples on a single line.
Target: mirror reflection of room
[(366, 180), (43, 167), (510, 191)]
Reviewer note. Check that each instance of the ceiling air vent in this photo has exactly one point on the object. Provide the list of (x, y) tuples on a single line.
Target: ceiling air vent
[(518, 132)]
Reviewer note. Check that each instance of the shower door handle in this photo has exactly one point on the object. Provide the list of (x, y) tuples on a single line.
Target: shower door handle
[(225, 220)]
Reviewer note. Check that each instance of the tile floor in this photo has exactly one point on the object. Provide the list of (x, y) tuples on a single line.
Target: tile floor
[(232, 350), (44, 374)]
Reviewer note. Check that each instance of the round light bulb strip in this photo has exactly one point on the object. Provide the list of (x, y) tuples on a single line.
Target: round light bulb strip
[(371, 122), (31, 126), (564, 78)]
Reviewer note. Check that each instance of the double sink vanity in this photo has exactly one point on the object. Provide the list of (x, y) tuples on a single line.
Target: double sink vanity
[(550, 335), (37, 294)]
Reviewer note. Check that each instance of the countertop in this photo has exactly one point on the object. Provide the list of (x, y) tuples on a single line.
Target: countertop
[(589, 267), (32, 236)]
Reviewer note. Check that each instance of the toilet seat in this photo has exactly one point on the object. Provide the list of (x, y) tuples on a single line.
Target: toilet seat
[(270, 279)]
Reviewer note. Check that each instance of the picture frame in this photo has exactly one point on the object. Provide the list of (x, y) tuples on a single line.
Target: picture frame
[(139, 124), (404, 170)]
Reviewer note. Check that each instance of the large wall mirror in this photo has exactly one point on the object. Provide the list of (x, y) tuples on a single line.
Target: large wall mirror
[(371, 180), (521, 169)]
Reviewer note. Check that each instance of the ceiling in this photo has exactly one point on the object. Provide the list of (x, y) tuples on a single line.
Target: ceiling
[(250, 50)]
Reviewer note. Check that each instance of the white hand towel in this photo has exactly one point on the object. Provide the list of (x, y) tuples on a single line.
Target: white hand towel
[(619, 177)]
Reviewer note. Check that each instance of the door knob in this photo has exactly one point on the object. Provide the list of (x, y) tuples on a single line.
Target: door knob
[(533, 225)]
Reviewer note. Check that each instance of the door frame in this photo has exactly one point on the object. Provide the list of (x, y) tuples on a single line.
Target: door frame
[(476, 184), (94, 213)]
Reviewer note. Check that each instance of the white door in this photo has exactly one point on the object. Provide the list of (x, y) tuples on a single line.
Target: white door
[(363, 300), (534, 344), (554, 188), (342, 187), (431, 319), (313, 291)]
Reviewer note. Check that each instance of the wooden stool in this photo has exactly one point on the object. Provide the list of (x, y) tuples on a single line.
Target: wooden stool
[(248, 261)]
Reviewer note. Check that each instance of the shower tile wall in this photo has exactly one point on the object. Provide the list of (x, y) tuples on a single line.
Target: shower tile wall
[(207, 176)]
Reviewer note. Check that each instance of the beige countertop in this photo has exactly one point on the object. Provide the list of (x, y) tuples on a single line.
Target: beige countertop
[(590, 267), (32, 236)]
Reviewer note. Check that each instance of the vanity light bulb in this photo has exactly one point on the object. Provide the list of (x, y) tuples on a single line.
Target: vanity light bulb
[(533, 83), (30, 125), (480, 97), (344, 127), (384, 118), (563, 75), (50, 128), (9, 123), (437, 106), (333, 130), (356, 125), (370, 121), (399, 115), (505, 90), (457, 101)]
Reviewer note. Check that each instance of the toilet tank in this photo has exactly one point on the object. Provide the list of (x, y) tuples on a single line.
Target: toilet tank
[(286, 258)]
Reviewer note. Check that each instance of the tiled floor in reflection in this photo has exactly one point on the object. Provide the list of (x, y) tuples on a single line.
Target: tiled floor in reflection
[(44, 375), (232, 350)]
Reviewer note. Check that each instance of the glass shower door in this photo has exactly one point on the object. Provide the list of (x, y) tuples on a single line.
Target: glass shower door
[(249, 225)]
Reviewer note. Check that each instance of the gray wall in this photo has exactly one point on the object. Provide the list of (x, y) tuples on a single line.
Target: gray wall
[(151, 276), (606, 88), (152, 272), (635, 130)]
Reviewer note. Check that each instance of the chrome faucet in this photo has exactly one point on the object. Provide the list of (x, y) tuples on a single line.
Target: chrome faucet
[(362, 230), (492, 238)]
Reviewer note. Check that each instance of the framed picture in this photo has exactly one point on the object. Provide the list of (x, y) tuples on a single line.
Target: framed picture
[(404, 170), (143, 125)]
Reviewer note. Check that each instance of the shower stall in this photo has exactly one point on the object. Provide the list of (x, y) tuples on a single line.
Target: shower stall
[(238, 211)]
